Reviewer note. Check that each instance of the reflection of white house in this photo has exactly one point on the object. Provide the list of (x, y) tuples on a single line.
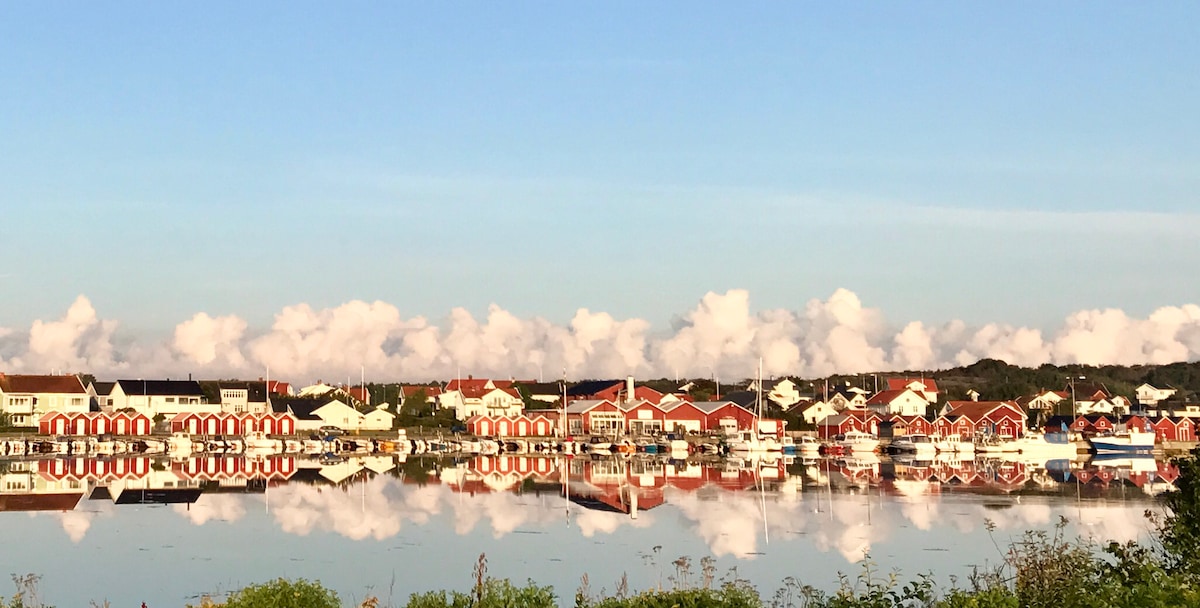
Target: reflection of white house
[(1148, 394), (26, 398), (903, 402), (166, 397)]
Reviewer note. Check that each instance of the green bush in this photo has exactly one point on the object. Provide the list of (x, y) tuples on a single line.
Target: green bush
[(282, 593)]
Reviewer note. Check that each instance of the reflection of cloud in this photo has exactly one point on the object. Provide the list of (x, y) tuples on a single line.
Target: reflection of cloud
[(213, 507), (76, 524), (730, 525)]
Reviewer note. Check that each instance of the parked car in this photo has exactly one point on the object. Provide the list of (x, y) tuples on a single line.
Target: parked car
[(330, 430)]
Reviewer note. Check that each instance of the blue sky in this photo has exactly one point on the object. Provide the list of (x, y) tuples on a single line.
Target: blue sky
[(1013, 162)]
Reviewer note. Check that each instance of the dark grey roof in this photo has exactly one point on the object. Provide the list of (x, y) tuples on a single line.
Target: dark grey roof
[(591, 387), (103, 388), (541, 388), (301, 408), (746, 399), (188, 388)]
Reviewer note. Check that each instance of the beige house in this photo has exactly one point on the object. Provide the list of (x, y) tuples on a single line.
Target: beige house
[(25, 398)]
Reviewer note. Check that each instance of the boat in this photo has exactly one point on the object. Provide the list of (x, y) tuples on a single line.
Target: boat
[(857, 441), (1046, 446), (1132, 441), (953, 444), (749, 441), (808, 446), (918, 444), (259, 443)]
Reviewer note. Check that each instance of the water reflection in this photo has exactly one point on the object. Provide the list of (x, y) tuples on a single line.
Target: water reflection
[(728, 502), (539, 516)]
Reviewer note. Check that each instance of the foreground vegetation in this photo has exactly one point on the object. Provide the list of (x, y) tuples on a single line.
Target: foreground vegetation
[(1043, 569)]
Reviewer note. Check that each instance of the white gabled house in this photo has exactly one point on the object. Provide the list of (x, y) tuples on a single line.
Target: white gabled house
[(848, 398), (813, 411), (902, 402), (1148, 394), (782, 392), (378, 419), (926, 388), (470, 401)]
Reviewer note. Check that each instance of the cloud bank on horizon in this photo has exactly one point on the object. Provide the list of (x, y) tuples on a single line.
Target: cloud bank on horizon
[(720, 336)]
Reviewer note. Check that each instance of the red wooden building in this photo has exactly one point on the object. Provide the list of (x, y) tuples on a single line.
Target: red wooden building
[(94, 423)]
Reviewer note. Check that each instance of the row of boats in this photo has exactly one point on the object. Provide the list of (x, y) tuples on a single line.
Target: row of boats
[(1050, 445)]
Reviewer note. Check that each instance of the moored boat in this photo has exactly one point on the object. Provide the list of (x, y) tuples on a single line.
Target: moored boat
[(1131, 441), (857, 441)]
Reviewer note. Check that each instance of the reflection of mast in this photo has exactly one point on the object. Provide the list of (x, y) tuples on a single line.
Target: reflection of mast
[(762, 489)]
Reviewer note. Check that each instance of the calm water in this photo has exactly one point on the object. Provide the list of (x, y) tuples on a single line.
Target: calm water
[(164, 532)]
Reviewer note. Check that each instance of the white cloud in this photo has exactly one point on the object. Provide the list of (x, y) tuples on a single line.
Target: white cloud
[(722, 335)]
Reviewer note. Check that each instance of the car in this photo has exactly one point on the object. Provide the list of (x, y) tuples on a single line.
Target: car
[(330, 430)]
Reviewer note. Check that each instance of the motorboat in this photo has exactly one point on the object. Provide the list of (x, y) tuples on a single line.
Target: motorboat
[(857, 441), (953, 444), (918, 444), (749, 441), (1132, 441), (808, 446)]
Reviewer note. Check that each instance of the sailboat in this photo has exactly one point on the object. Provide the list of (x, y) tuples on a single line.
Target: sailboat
[(754, 440)]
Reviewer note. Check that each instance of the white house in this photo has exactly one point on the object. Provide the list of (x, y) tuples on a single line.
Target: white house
[(782, 392), (24, 398), (1044, 401), (166, 397), (1116, 405), (848, 398), (926, 388), (378, 419), (1148, 394), (470, 401), (813, 411), (903, 402), (236, 397)]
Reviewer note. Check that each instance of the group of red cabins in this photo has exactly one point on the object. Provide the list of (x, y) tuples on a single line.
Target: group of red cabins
[(137, 425), (1006, 419), (640, 417)]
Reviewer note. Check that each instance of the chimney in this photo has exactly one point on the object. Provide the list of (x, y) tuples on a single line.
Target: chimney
[(629, 389)]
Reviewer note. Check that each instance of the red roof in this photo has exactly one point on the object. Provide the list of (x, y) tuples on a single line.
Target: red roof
[(886, 397), (978, 410), (468, 383), (900, 383), (40, 384), (410, 390), (278, 388)]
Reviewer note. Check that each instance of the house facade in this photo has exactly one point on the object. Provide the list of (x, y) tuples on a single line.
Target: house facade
[(25, 398), (161, 397), (901, 402), (1148, 394), (1001, 418)]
